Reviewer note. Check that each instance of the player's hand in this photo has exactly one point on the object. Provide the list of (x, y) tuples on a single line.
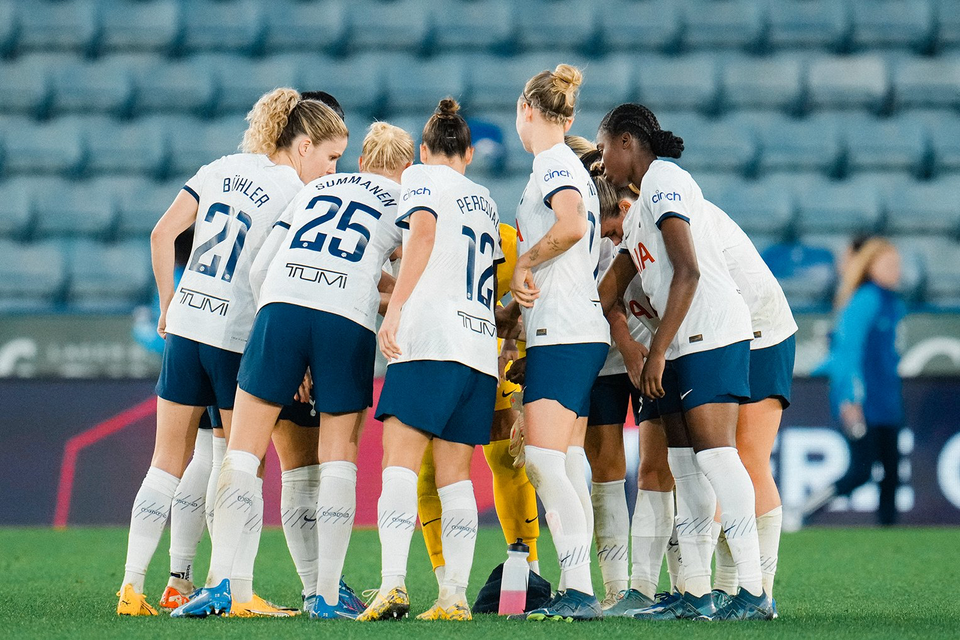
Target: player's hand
[(651, 378), (162, 325), (508, 354), (634, 355), (303, 393), (388, 334), (517, 373), (851, 417), (523, 288)]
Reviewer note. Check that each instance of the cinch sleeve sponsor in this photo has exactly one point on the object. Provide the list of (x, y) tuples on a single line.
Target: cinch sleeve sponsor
[(418, 192), (553, 173), (668, 196)]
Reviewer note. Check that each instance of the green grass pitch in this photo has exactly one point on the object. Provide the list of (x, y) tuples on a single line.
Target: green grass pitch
[(836, 583)]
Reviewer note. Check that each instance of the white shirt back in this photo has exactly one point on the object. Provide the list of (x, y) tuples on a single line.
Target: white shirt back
[(568, 309), (718, 315), (449, 315), (340, 231), (240, 197)]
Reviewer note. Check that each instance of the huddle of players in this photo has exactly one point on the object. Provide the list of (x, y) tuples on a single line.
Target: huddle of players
[(303, 283)]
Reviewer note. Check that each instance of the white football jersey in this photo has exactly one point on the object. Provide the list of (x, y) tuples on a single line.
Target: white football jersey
[(240, 197), (449, 315), (568, 309), (642, 321), (770, 312), (718, 315), (336, 235)]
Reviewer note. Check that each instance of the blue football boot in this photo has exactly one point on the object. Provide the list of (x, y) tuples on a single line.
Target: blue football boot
[(721, 598), (680, 607), (208, 601), (350, 602), (320, 610), (628, 601), (746, 606), (568, 606)]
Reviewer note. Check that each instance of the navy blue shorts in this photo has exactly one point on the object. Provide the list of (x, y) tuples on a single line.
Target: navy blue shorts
[(286, 339), (720, 375), (771, 372), (302, 414), (610, 399), (210, 419), (197, 375), (449, 400), (565, 373)]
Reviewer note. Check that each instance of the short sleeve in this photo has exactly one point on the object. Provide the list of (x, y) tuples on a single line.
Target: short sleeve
[(194, 185), (418, 192), (286, 216), (669, 195), (554, 171), (631, 225)]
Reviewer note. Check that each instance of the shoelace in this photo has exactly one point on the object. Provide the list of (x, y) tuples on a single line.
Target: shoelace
[(369, 595)]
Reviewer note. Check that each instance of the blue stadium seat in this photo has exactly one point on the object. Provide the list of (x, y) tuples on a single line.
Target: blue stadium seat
[(849, 207), (195, 143), (490, 146), (913, 272), (300, 26), (140, 202), (375, 25), (141, 25), (720, 24), (927, 82), (9, 26), (108, 277), (474, 26), (633, 26), (32, 276), (685, 83), (180, 87), (241, 81), (356, 82), (810, 24), (893, 23), (930, 207), (787, 144), (607, 82), (713, 145), (891, 144), (941, 258), (506, 193), (104, 86), (586, 121), (774, 82), (124, 146), (943, 129), (55, 147), (854, 82), (760, 208), (417, 86), (16, 215), (518, 161), (948, 18), (65, 209), (67, 25), (557, 25), (806, 274), (497, 82), (223, 25), (27, 85)]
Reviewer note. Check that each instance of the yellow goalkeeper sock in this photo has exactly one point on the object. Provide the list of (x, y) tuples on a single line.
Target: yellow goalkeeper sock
[(429, 509), (514, 497)]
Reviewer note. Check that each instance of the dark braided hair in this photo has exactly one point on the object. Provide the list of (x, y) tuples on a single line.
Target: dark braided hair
[(640, 123)]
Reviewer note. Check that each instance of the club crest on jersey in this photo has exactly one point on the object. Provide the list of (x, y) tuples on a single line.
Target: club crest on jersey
[(204, 302), (320, 276), (670, 197), (556, 173), (421, 191)]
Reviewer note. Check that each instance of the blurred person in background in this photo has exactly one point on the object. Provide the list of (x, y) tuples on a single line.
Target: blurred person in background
[(865, 389)]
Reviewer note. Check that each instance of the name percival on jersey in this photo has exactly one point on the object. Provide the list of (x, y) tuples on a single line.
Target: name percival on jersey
[(770, 312), (240, 197), (568, 309), (340, 229), (718, 315), (449, 315)]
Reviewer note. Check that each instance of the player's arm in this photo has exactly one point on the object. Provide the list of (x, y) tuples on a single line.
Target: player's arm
[(177, 219), (632, 351), (615, 281), (385, 286)]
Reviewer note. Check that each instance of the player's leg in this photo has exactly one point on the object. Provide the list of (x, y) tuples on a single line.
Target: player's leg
[(430, 511), (219, 446), (888, 453)]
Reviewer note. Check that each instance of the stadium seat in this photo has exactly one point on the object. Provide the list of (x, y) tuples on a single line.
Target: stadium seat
[(32, 276), (9, 26), (848, 207), (195, 143), (108, 277), (16, 215), (475, 26), (634, 26), (497, 82), (416, 86), (506, 193), (223, 25), (54, 147), (299, 26), (66, 209), (930, 207), (810, 24), (941, 257), (141, 25), (67, 25), (943, 129), (241, 81), (854, 82), (357, 82), (375, 25), (806, 274), (556, 26), (607, 82), (585, 122), (140, 202), (124, 146), (759, 207), (788, 144), (27, 85), (713, 145), (948, 19), (774, 82), (891, 144), (892, 23), (184, 86), (104, 86), (721, 24), (685, 83), (927, 83)]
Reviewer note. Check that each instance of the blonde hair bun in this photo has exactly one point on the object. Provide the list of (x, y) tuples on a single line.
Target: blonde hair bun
[(567, 79), (386, 148)]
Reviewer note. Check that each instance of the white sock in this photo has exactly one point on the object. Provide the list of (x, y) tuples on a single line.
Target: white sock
[(298, 515), (734, 490), (396, 520), (696, 506), (459, 522), (650, 532), (219, 448), (438, 574), (187, 513), (612, 533), (151, 508), (241, 583), (237, 493), (725, 575), (768, 533), (534, 566), (564, 513), (675, 561), (336, 508), (576, 466)]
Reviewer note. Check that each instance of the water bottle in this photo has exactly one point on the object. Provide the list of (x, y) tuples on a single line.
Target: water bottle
[(513, 584)]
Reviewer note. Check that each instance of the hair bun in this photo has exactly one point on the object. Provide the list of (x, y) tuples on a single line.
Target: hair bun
[(448, 108), (567, 78), (666, 145)]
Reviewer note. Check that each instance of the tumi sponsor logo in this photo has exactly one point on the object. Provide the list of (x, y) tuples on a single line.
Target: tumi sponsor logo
[(670, 197), (478, 325), (326, 277), (204, 302), (556, 173), (409, 193)]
